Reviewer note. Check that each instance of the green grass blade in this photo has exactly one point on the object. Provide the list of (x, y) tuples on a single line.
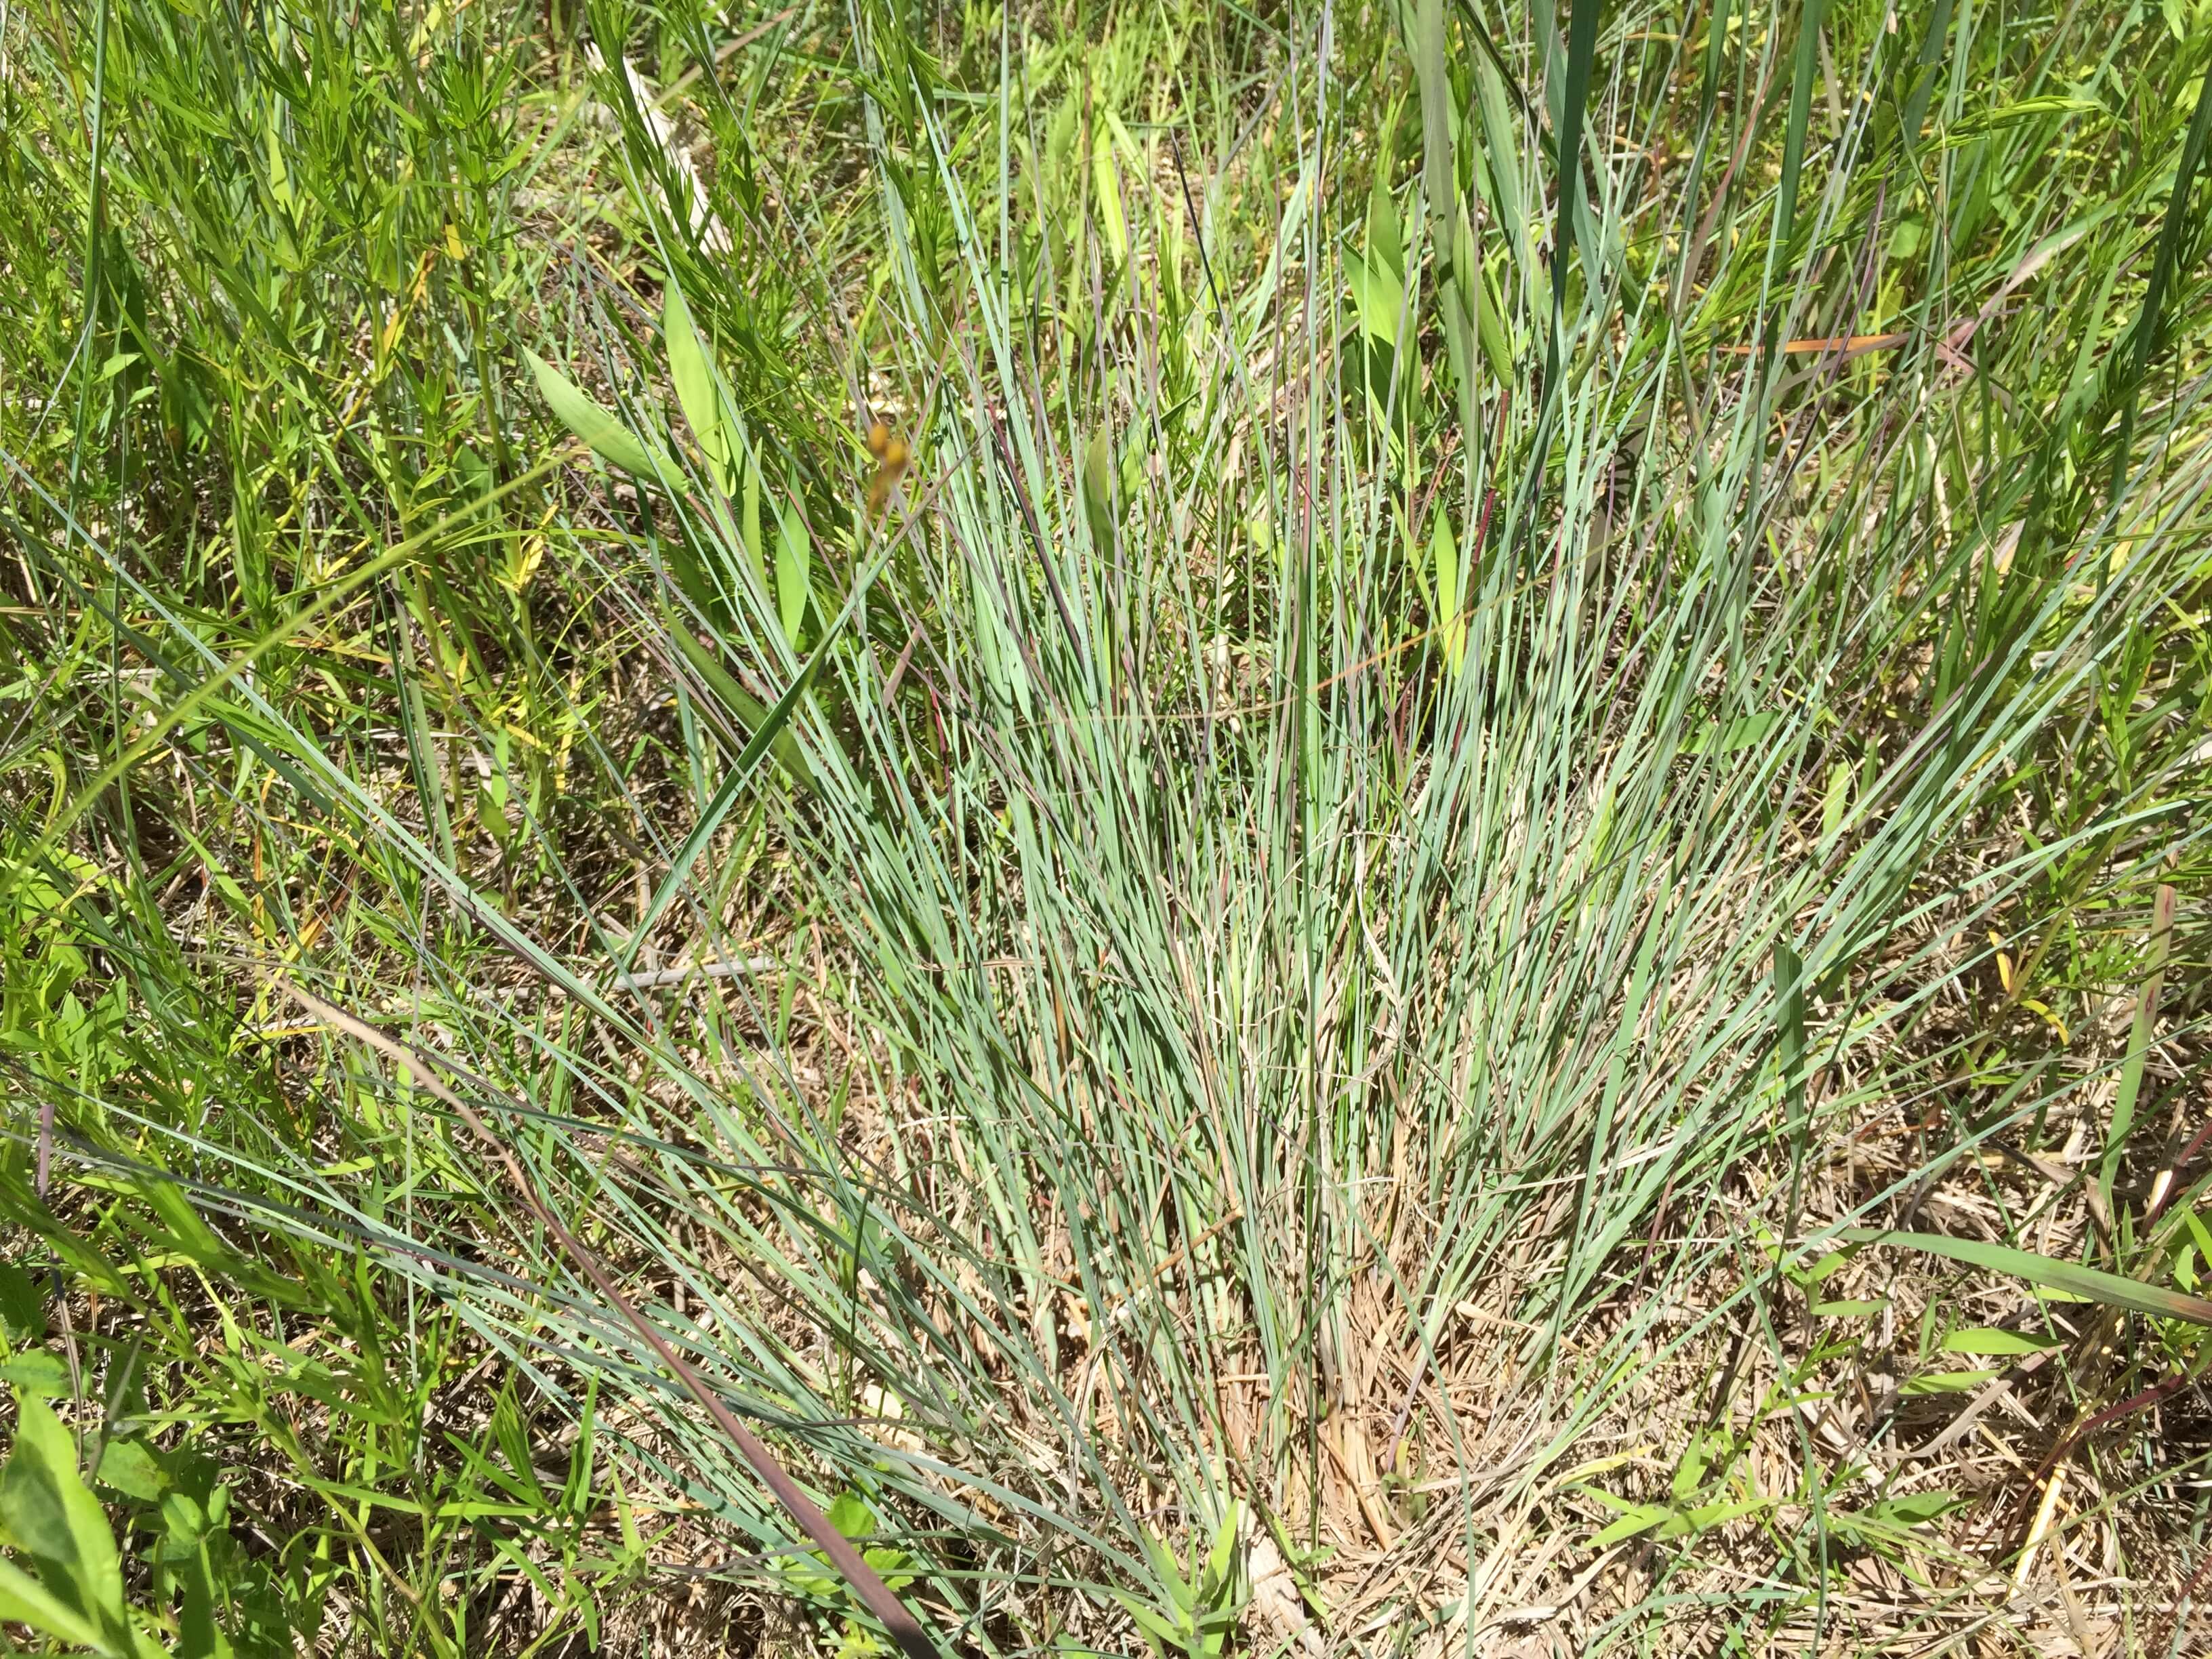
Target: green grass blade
[(2093, 1283)]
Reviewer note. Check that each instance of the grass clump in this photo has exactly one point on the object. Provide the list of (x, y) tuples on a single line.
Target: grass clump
[(1307, 830)]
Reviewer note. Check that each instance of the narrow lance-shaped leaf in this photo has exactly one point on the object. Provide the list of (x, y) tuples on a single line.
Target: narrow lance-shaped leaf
[(1098, 488), (698, 389), (1108, 190), (595, 425), (794, 568)]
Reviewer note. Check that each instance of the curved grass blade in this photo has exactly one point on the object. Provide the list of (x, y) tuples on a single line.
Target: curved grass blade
[(2111, 1290)]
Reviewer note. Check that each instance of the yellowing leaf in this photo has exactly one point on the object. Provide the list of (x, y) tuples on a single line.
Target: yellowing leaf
[(1600, 1465)]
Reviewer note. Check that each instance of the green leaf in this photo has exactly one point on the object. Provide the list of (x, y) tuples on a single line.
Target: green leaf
[(1153, 1624), (1891, 1521), (1689, 1523), (1789, 1021), (1386, 238), (1489, 327), (1989, 1339), (1846, 1309), (1808, 1276), (182, 1515), (1911, 1508), (1690, 1472), (1219, 1560), (2026, 109), (2139, 1040), (1109, 194), (794, 557), (1640, 1519), (22, 1304), (1098, 488), (198, 1635), (1376, 295), (1444, 554), (2151, 324), (1182, 1594), (849, 1513), (1713, 738), (2071, 1277), (1432, 74), (128, 1467), (1581, 47), (25, 1600), (698, 389), (38, 1372), (745, 709), (890, 1567), (1946, 1381), (48, 1513), (1806, 71), (597, 426)]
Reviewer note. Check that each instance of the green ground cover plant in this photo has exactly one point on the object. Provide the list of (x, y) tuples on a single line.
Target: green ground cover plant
[(1127, 828)]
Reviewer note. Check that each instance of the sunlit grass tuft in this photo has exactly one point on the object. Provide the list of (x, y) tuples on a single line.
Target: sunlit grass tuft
[(1248, 863)]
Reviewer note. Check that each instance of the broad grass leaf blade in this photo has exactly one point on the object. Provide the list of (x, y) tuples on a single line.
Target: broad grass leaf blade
[(794, 562), (1992, 1339), (746, 710), (696, 392), (1641, 1519), (764, 738), (1098, 488), (595, 425), (1925, 73), (1110, 217), (2152, 1300), (1432, 73)]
